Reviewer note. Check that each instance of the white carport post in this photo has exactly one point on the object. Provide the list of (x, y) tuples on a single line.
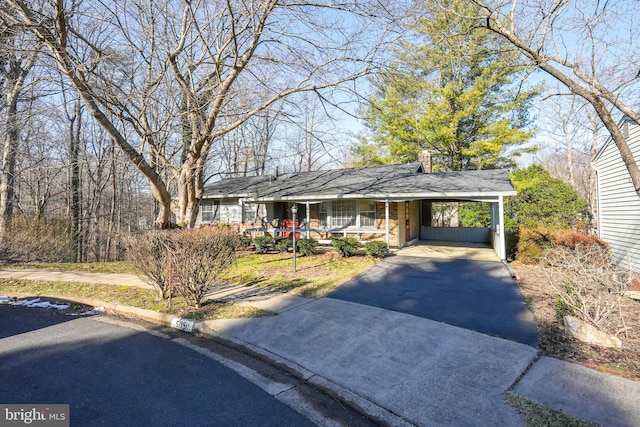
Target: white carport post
[(501, 236), (386, 218), (308, 220)]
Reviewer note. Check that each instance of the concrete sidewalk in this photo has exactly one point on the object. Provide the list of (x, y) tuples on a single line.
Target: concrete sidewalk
[(76, 276), (405, 369)]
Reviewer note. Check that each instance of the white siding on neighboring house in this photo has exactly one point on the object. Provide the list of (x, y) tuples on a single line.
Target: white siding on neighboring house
[(618, 203), (254, 212), (228, 211)]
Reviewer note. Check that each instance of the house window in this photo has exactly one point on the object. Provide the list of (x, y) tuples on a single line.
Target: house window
[(323, 214), (343, 213), (252, 212), (348, 214), (367, 214), (221, 211), (209, 210)]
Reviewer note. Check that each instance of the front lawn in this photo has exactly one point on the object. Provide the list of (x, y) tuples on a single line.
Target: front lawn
[(315, 276)]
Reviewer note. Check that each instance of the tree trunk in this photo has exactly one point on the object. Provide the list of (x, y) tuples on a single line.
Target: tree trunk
[(114, 203), (75, 208), (569, 147), (7, 179)]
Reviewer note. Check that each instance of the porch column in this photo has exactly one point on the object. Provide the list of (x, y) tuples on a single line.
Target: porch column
[(308, 222), (501, 237), (386, 217)]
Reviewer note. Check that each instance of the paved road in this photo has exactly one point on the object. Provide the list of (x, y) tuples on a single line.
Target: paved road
[(112, 375), (473, 294)]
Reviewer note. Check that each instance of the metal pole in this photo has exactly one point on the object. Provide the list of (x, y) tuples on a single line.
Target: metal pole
[(294, 238)]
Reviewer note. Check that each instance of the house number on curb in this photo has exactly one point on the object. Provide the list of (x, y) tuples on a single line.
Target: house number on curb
[(182, 324)]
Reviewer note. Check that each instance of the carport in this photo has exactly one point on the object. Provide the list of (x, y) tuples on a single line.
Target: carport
[(489, 186)]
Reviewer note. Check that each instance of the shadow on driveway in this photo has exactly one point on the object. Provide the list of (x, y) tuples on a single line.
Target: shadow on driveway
[(472, 294)]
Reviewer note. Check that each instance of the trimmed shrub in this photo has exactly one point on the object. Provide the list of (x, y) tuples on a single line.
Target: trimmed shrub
[(191, 260), (199, 257), (346, 246), (148, 253), (245, 242), (282, 244), (306, 247), (533, 244), (536, 242), (262, 244), (376, 249)]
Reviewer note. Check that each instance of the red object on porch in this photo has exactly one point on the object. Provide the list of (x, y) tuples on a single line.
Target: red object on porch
[(288, 224)]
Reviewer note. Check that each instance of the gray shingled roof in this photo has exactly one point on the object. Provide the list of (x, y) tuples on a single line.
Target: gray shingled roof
[(379, 182)]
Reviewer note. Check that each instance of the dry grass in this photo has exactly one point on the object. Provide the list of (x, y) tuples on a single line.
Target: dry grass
[(553, 341), (315, 276)]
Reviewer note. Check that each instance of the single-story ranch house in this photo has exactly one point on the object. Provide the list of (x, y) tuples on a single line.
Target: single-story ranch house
[(391, 203)]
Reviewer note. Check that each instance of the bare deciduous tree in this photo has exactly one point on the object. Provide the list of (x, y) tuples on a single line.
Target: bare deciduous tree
[(575, 132), (18, 52), (164, 79), (590, 47)]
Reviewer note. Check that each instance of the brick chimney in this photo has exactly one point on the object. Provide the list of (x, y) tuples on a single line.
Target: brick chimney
[(425, 158)]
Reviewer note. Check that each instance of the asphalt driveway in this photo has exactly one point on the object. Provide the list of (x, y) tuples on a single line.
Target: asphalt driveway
[(470, 293)]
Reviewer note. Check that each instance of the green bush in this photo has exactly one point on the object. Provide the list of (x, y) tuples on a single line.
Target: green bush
[(375, 249), (262, 244), (345, 246), (306, 247), (544, 202), (282, 244), (563, 309), (245, 242)]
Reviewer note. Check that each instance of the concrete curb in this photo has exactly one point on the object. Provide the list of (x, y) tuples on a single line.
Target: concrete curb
[(125, 310), (339, 393), (511, 270)]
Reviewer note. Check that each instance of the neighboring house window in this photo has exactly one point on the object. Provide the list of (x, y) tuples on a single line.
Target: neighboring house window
[(348, 214)]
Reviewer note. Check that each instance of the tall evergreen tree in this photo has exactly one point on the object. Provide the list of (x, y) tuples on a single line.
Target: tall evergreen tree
[(455, 92)]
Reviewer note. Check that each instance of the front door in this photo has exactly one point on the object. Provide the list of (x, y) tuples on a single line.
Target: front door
[(407, 227)]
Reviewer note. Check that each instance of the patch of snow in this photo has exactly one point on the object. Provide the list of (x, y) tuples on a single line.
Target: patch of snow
[(93, 312), (40, 304), (26, 302)]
